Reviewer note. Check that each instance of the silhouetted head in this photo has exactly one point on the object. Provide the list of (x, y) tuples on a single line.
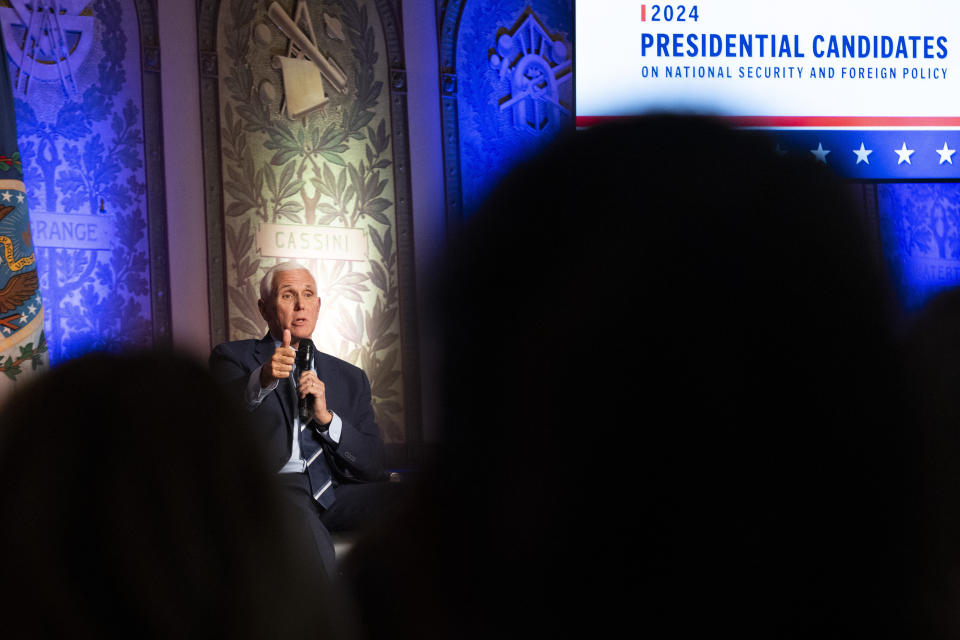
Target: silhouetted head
[(135, 502), (670, 393), (932, 346)]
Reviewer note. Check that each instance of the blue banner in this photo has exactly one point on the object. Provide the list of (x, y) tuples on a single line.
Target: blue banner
[(901, 155)]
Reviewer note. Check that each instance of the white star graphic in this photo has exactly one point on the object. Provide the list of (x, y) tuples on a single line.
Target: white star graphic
[(862, 154), (32, 309), (20, 198), (904, 154), (6, 196), (946, 154), (24, 319), (820, 153)]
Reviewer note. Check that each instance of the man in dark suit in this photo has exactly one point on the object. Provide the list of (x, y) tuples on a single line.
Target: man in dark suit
[(340, 442)]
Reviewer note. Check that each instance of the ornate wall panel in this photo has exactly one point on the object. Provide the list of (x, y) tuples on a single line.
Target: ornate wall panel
[(88, 116), (304, 113), (920, 227), (506, 88)]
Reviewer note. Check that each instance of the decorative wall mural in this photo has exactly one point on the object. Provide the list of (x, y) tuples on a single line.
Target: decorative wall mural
[(920, 229), (307, 157), (46, 39), (507, 89), (536, 67), (76, 71)]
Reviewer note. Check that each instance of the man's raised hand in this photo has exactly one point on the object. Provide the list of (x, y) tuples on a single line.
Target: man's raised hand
[(280, 365)]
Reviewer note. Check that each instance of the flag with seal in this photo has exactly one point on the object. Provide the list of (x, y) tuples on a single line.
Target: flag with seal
[(23, 349)]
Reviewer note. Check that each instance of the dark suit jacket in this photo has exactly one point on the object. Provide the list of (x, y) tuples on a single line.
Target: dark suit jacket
[(359, 454)]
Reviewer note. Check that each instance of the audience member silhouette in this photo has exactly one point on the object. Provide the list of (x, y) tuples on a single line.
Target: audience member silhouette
[(672, 407), (932, 346), (135, 504)]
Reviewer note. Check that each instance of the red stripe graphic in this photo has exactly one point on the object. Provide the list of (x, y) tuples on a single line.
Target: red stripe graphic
[(810, 121)]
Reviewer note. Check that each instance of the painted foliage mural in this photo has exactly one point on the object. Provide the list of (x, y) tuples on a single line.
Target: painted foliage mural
[(75, 67), (308, 175), (514, 86), (920, 227)]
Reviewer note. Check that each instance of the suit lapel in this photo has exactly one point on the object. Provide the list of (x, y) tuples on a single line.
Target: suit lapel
[(328, 375)]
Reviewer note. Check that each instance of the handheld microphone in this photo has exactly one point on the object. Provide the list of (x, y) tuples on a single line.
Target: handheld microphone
[(304, 358)]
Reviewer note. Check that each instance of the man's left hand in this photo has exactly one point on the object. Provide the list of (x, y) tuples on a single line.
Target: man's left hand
[(310, 384)]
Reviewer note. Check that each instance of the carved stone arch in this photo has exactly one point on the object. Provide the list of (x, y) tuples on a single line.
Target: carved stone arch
[(449, 12), (462, 103), (404, 449), (411, 451), (155, 178), (93, 158)]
